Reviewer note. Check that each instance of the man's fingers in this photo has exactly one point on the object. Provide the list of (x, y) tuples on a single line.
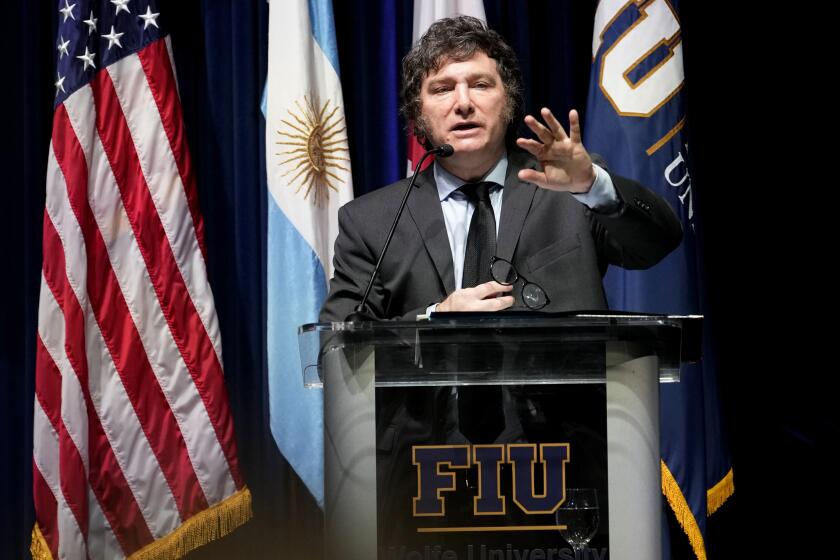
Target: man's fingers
[(484, 297), (500, 303), (556, 128), (534, 147), (574, 127), (544, 134), (533, 176), (492, 304), (489, 289)]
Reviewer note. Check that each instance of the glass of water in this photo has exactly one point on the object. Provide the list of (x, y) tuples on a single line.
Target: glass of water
[(579, 513)]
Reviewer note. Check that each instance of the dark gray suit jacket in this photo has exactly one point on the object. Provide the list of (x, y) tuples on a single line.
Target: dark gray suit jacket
[(551, 238)]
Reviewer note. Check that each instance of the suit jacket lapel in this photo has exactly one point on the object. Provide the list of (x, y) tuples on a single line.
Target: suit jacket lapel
[(516, 201), (424, 206)]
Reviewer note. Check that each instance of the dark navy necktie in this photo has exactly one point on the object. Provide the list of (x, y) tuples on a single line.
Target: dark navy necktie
[(481, 239), (480, 414)]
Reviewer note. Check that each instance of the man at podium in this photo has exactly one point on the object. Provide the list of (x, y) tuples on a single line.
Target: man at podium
[(501, 223), (549, 218)]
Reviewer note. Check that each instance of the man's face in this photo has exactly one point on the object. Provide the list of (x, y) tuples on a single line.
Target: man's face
[(464, 104)]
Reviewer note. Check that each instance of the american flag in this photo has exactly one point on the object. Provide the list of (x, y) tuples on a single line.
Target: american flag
[(134, 450)]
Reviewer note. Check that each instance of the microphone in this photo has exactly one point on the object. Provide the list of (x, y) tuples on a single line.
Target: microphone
[(359, 314), (444, 150)]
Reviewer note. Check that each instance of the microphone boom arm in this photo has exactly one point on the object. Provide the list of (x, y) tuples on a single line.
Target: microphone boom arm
[(444, 150)]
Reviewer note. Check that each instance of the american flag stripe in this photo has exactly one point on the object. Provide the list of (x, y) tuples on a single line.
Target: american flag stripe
[(53, 350), (101, 541), (108, 479), (61, 387), (178, 383), (142, 200), (49, 398), (136, 462), (186, 404), (73, 410), (48, 378), (70, 501), (52, 382), (156, 159), (156, 60), (47, 508), (72, 469), (146, 491), (133, 432), (71, 544), (118, 329)]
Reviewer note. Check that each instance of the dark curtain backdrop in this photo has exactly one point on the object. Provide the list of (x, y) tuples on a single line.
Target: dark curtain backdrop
[(764, 193)]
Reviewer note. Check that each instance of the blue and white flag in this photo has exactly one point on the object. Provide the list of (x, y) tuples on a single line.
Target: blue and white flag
[(308, 169), (636, 120)]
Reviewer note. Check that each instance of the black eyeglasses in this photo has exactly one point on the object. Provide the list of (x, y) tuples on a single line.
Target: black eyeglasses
[(532, 295)]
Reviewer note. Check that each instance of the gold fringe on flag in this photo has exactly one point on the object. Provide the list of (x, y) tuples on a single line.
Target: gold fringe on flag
[(717, 495), (38, 547), (211, 524), (684, 515)]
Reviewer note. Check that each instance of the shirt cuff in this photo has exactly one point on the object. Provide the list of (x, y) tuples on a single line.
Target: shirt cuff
[(602, 196)]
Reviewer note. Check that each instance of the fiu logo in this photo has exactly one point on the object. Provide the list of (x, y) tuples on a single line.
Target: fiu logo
[(437, 464)]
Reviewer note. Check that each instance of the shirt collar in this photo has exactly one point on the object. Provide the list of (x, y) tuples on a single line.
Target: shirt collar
[(447, 183)]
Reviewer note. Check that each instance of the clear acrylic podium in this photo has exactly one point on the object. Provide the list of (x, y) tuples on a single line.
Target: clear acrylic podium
[(623, 356)]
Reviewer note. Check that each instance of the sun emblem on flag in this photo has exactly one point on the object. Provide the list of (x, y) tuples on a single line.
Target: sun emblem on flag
[(314, 140)]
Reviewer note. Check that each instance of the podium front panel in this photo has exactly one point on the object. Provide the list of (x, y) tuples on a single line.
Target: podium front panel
[(402, 480)]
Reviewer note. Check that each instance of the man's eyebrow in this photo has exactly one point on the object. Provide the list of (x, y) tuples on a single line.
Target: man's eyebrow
[(470, 77)]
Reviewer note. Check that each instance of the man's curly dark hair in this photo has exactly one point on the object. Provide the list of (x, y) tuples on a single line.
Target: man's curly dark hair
[(458, 39)]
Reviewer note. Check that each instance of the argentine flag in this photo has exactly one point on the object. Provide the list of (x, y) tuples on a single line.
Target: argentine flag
[(308, 170)]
